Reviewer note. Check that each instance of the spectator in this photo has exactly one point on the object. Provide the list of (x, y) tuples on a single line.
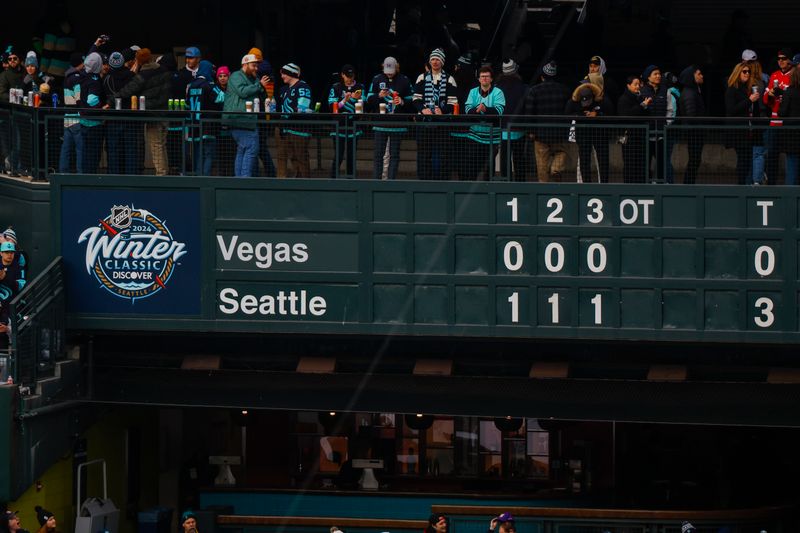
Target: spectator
[(153, 81), (225, 145), (32, 83), (506, 523), (464, 74), (790, 108), (203, 95), (654, 89), (434, 94), (548, 98), (264, 69), (760, 79), (92, 97), (243, 86), (587, 101), (485, 99), (188, 518), (12, 274), (437, 523), (189, 71), (121, 152), (514, 90), (691, 104), (597, 65), (778, 82), (345, 94), (21, 257), (73, 138), (602, 136), (46, 520), (631, 104), (294, 97), (743, 99), (11, 78), (394, 91), (12, 523)]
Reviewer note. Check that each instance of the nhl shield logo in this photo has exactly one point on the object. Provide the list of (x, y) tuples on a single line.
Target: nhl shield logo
[(121, 216)]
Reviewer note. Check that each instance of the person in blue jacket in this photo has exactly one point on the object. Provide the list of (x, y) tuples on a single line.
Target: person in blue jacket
[(485, 99), (203, 95)]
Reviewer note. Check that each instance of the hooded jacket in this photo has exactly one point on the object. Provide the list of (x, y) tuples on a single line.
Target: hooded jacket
[(91, 88), (114, 82), (691, 103)]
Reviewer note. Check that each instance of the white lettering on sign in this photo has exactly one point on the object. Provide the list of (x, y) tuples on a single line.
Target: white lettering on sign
[(596, 205), (554, 217), (285, 303), (631, 214), (765, 205), (262, 254)]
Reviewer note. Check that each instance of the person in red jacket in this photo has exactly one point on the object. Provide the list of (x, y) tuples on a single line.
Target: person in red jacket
[(773, 94)]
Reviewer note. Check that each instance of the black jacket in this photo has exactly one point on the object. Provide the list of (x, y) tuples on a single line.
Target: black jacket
[(11, 79), (630, 105), (514, 90), (114, 82), (154, 82), (658, 107), (691, 103)]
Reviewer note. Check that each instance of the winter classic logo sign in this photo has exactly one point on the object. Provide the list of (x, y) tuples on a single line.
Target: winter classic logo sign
[(131, 252)]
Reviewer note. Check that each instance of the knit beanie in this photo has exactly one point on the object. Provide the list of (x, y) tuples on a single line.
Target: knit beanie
[(510, 66), (256, 52), (115, 60), (550, 69), (437, 53), (649, 70), (10, 235), (93, 63), (43, 515), (223, 70), (291, 69), (30, 59)]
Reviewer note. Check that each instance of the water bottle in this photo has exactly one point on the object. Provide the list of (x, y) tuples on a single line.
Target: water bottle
[(55, 101), (273, 105)]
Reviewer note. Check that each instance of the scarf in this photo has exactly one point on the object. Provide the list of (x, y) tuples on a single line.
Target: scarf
[(432, 97)]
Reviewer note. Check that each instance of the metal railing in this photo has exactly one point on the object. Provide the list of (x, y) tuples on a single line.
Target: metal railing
[(43, 141), (38, 326)]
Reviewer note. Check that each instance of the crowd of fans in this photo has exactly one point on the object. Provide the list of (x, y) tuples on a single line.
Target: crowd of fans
[(134, 77), (13, 265)]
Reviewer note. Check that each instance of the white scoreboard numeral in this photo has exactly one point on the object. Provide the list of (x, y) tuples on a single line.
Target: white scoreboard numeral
[(596, 257), (597, 301), (513, 205), (553, 301), (762, 253), (514, 301), (554, 217), (513, 263), (767, 318), (554, 264), (596, 205)]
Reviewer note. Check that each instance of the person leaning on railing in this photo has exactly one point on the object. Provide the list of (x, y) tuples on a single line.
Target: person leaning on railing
[(485, 99), (294, 97), (244, 86), (790, 137), (10, 78), (691, 104)]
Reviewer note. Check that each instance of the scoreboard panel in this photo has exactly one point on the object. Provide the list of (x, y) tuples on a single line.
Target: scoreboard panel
[(577, 261)]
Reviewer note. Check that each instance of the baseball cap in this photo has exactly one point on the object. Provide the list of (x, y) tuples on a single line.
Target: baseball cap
[(193, 51), (796, 59), (249, 58), (348, 70), (505, 517), (8, 247), (595, 60), (389, 65), (749, 55)]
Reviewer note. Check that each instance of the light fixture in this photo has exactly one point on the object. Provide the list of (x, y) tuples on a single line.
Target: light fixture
[(332, 413), (244, 412)]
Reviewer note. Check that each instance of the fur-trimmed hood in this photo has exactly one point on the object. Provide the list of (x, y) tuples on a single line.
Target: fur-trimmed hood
[(597, 92)]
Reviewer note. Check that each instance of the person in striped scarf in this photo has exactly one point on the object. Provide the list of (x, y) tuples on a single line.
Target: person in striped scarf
[(434, 94)]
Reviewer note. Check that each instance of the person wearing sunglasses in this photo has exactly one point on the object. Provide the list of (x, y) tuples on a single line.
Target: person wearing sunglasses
[(743, 99), (773, 94), (11, 78)]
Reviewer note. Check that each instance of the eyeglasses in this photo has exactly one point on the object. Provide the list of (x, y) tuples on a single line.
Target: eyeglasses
[(12, 58), (783, 58), (745, 72)]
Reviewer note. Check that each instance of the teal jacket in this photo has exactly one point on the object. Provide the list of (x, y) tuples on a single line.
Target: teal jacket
[(241, 89), (495, 103)]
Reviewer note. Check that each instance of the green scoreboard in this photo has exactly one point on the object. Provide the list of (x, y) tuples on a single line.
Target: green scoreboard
[(577, 261)]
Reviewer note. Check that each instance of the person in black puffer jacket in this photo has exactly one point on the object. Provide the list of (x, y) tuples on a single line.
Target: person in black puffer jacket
[(691, 104), (154, 82), (631, 104), (121, 152), (790, 136), (743, 99)]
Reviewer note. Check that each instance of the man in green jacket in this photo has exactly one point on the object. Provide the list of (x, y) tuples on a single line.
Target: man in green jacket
[(243, 87)]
